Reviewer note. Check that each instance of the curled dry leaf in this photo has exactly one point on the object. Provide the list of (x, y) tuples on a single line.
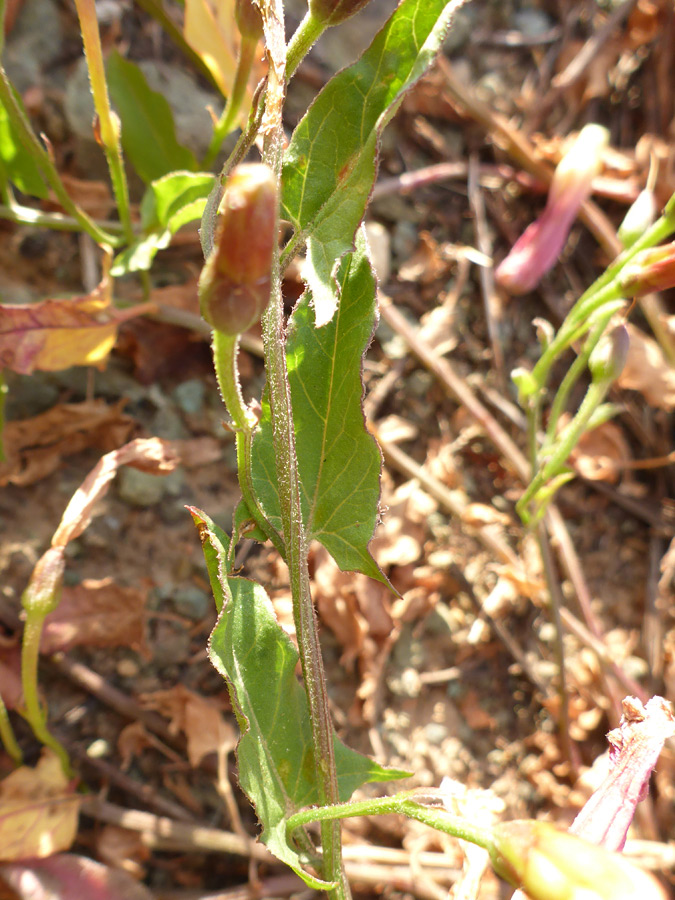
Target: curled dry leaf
[(96, 614), (57, 334), (35, 447), (148, 454), (38, 810), (66, 876)]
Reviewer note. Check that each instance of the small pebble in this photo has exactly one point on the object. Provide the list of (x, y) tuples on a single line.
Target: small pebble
[(189, 395), (98, 749), (127, 668), (192, 602), (138, 488)]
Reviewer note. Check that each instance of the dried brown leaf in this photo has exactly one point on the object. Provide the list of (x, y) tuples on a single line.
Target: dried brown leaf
[(147, 454), (35, 447), (38, 810), (57, 334), (96, 614), (648, 371)]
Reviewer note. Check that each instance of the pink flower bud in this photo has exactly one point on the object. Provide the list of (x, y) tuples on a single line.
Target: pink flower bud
[(540, 245), (234, 287), (650, 270)]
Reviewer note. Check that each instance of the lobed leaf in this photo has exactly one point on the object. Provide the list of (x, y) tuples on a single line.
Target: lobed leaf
[(338, 460), (331, 162), (148, 132)]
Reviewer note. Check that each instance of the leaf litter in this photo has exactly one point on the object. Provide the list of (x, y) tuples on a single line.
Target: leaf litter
[(426, 676)]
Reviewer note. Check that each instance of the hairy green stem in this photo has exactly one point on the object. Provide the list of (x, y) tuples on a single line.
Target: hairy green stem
[(108, 123), (43, 159), (306, 34), (401, 804), (225, 353), (35, 715), (297, 549), (232, 109)]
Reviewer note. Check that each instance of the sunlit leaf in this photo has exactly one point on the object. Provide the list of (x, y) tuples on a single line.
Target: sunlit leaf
[(38, 810), (331, 163), (19, 166), (56, 334), (210, 29), (168, 203), (338, 461)]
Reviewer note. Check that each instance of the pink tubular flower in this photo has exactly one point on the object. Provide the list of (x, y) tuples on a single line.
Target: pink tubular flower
[(635, 748), (650, 270), (540, 245)]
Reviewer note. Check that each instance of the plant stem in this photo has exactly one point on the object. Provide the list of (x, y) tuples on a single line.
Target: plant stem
[(26, 215), (401, 804), (225, 352), (33, 146), (30, 650), (306, 34), (108, 123), (230, 113), (297, 548)]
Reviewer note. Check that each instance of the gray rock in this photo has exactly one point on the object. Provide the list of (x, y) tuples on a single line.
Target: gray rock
[(29, 395), (138, 488), (193, 602), (34, 44), (188, 103), (189, 395), (532, 22)]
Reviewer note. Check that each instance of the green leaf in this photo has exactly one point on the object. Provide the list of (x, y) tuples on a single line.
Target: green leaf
[(167, 196), (276, 768), (338, 460), (20, 167), (148, 132), (216, 548), (330, 165), (168, 203)]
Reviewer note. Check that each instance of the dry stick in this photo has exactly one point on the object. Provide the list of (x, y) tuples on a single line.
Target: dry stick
[(164, 833), (491, 300)]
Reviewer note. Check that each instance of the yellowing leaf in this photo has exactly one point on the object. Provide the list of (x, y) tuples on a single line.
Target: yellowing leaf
[(57, 334), (211, 31), (38, 811)]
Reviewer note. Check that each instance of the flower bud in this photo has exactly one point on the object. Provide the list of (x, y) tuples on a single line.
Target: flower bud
[(608, 358), (650, 270), (332, 12), (248, 19), (540, 245), (234, 287), (638, 218), (549, 864), (43, 593)]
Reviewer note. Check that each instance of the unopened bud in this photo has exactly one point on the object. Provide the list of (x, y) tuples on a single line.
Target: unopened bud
[(638, 218), (43, 593), (540, 245), (609, 356), (549, 864), (234, 287), (332, 12), (650, 270), (248, 19)]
